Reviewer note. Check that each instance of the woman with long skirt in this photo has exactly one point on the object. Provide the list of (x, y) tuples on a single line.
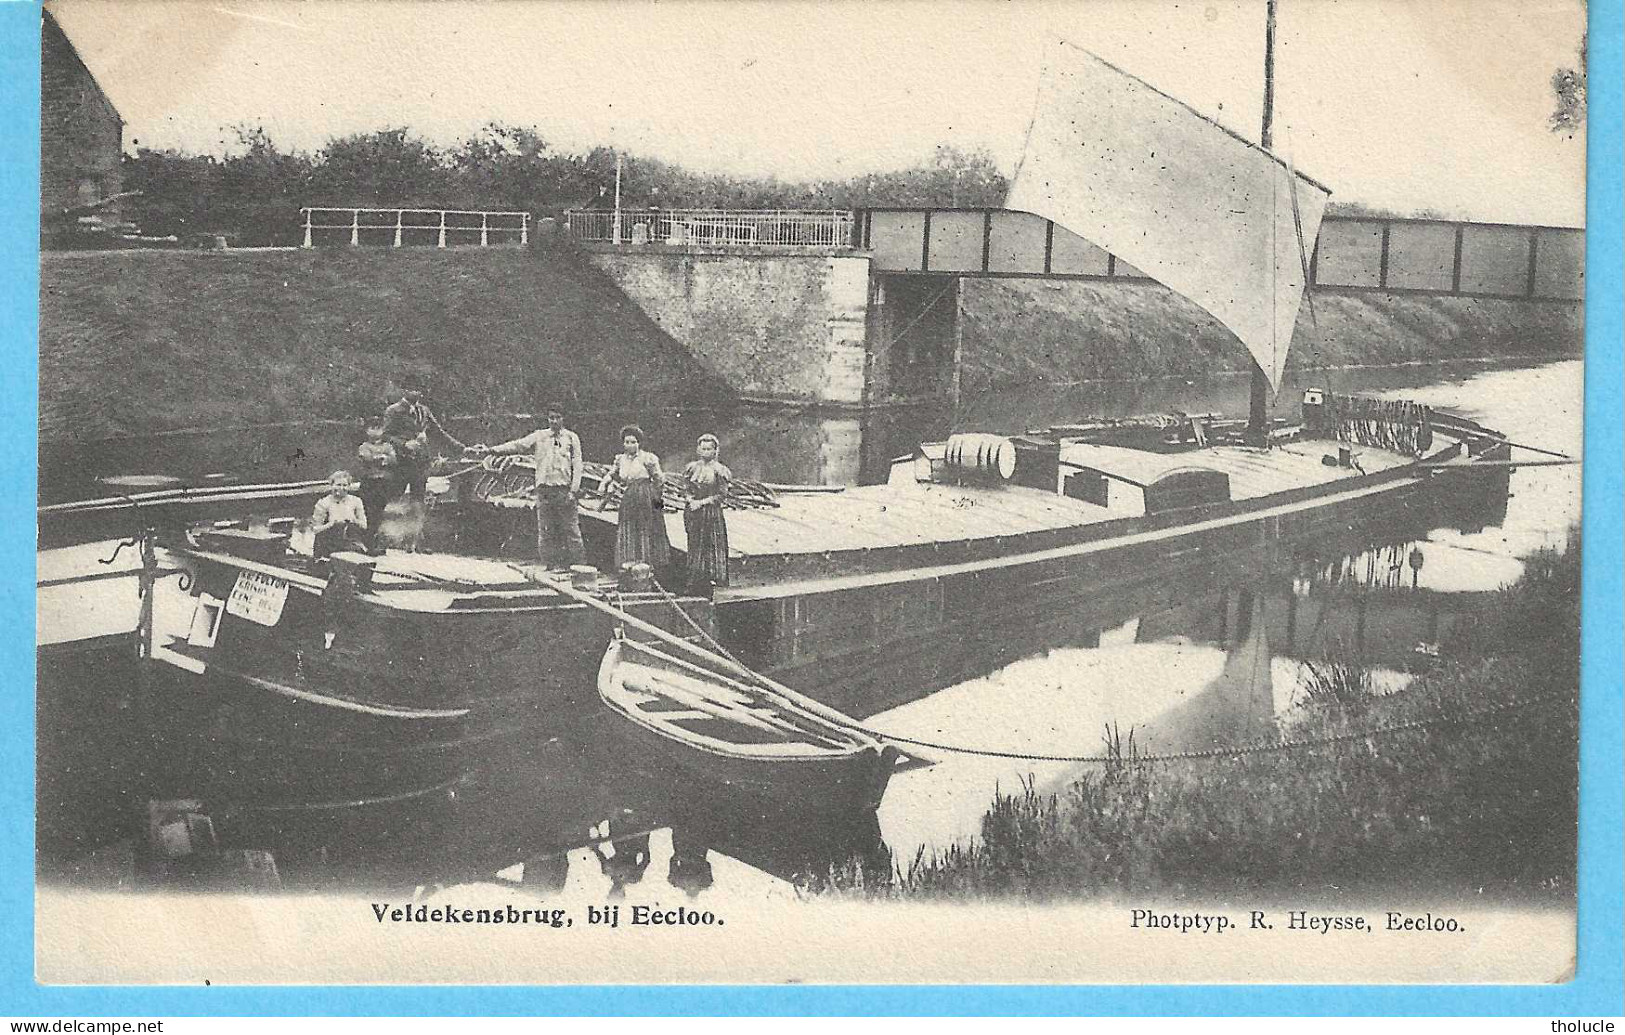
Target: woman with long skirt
[(641, 531), (706, 482)]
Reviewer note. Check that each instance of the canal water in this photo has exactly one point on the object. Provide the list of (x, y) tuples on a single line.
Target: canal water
[(772, 444), (1203, 657)]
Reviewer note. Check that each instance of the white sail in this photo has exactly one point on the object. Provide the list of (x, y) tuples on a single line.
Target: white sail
[(1189, 203)]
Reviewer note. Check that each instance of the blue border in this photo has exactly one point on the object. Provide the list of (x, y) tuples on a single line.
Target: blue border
[(1597, 990)]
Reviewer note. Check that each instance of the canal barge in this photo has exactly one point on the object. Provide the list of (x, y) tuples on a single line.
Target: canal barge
[(378, 678), (368, 678), (833, 593)]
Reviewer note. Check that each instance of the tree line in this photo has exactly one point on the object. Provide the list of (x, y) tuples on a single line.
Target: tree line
[(254, 193)]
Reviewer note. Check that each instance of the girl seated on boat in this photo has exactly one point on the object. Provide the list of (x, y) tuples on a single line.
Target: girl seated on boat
[(339, 519), (706, 482), (641, 532)]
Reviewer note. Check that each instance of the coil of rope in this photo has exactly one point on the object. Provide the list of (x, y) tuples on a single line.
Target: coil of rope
[(1393, 424)]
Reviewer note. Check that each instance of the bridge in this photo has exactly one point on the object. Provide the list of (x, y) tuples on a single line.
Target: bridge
[(856, 308), (1353, 253)]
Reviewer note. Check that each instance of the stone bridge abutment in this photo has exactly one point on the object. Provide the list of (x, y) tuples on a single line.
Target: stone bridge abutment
[(864, 309)]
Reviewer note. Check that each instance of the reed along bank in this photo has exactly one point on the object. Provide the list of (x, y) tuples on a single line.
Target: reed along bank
[(1461, 785)]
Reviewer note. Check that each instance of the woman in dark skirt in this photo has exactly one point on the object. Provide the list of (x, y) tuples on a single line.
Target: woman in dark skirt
[(641, 533), (706, 482)]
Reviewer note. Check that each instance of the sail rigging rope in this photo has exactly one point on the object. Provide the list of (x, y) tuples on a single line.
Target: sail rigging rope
[(1032, 120), (1303, 260), (1306, 252), (1176, 756), (1275, 276), (922, 313)]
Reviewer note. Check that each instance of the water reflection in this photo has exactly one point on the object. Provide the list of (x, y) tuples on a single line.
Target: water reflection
[(1206, 655), (1212, 668)]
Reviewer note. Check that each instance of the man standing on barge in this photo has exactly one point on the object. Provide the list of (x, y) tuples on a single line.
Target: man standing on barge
[(407, 423), (557, 452)]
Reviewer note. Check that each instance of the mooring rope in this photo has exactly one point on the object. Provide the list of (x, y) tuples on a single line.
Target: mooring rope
[(692, 624), (1177, 756), (1227, 752)]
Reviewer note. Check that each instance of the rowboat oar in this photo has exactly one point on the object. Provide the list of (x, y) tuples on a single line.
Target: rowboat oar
[(739, 689), (709, 705), (739, 693)]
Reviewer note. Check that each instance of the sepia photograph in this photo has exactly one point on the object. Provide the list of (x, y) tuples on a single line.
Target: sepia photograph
[(752, 493)]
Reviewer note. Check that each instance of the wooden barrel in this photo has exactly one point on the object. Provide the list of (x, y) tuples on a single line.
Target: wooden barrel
[(1005, 459), (992, 456)]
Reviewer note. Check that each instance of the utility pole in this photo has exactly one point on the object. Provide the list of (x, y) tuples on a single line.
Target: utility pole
[(1258, 410)]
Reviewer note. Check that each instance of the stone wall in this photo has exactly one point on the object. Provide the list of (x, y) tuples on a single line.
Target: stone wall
[(776, 324)]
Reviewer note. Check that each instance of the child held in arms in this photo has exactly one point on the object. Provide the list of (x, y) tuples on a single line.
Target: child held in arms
[(380, 468)]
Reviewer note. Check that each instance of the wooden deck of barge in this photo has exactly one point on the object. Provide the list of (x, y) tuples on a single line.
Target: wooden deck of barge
[(907, 524)]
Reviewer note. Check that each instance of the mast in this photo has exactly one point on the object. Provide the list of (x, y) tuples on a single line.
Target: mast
[(1258, 410), (1266, 137), (615, 222)]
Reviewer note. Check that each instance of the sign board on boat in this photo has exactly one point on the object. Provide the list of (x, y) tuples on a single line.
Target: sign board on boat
[(258, 598)]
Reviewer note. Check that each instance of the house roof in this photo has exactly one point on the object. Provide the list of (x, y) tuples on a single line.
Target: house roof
[(51, 25)]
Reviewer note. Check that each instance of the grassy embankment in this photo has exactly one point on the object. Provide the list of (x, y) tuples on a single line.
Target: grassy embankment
[(137, 342), (1477, 801), (1026, 332), (133, 343)]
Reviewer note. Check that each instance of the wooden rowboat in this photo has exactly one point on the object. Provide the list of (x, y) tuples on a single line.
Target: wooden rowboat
[(751, 740)]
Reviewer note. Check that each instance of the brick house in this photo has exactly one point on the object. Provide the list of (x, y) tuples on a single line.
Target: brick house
[(81, 137)]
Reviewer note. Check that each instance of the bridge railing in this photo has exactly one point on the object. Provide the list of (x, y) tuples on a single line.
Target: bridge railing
[(695, 227), (399, 226)]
